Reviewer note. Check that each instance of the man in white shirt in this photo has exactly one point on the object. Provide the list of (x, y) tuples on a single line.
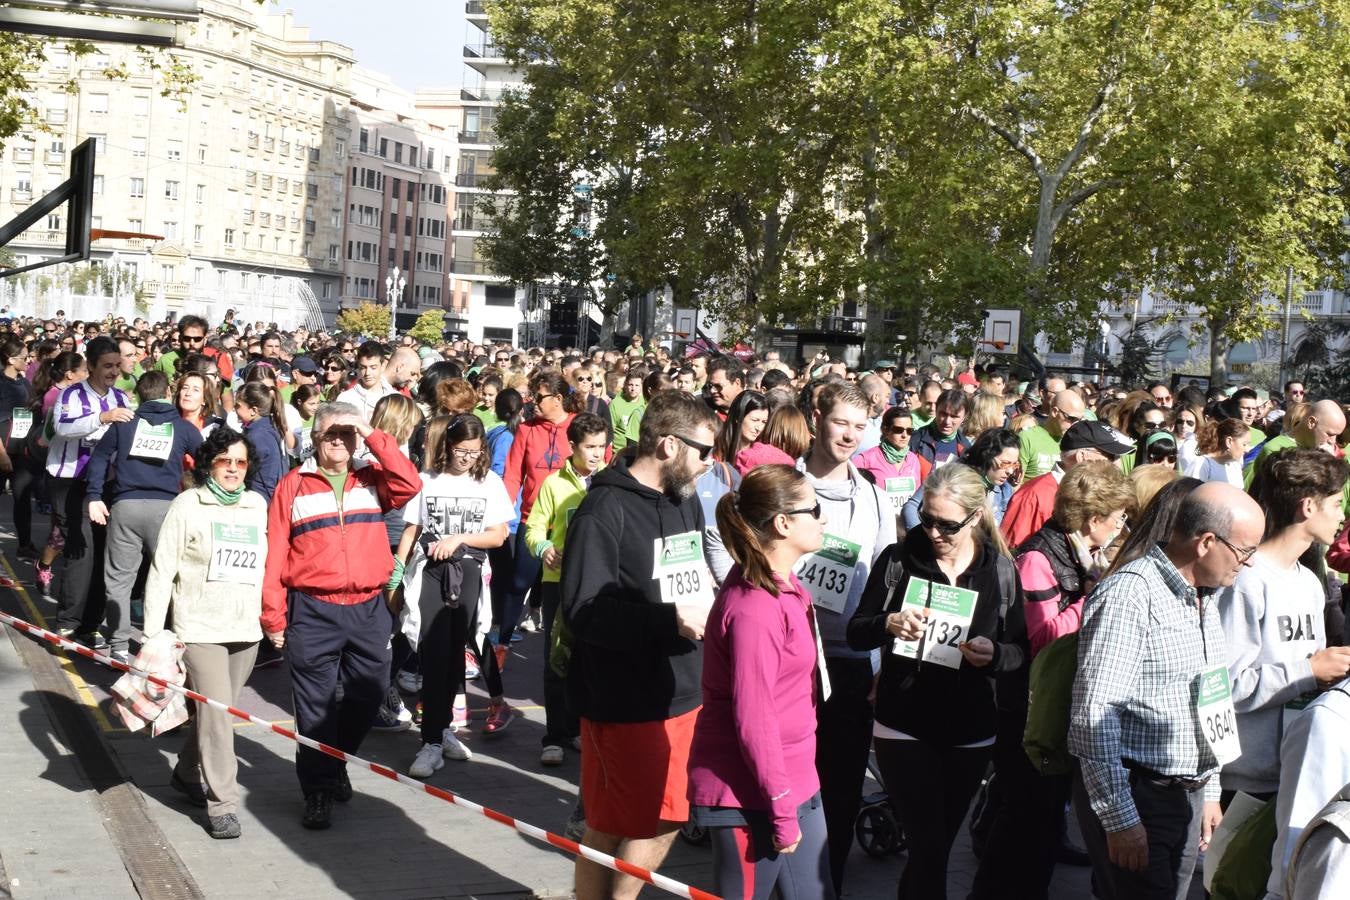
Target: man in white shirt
[(371, 384)]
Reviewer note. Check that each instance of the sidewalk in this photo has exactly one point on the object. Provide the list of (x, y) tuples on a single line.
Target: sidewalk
[(389, 842)]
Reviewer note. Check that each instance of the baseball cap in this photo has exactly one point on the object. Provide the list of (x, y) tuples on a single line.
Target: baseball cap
[(885, 364), (967, 378), (1095, 435), (305, 364)]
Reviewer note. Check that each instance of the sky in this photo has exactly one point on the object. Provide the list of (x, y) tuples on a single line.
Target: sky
[(418, 43)]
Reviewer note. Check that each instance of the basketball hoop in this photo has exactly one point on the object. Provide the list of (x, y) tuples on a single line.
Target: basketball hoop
[(997, 345)]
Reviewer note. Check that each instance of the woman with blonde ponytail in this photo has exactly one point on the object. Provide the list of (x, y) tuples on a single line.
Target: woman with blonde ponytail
[(945, 607), (752, 771)]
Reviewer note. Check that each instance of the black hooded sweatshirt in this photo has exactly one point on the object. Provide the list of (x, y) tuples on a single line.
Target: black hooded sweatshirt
[(928, 701), (629, 662)]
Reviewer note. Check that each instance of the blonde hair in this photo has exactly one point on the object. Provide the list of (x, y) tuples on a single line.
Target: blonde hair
[(965, 487), (396, 416), (787, 430), (985, 412), (1147, 481), (1022, 423), (1091, 489)]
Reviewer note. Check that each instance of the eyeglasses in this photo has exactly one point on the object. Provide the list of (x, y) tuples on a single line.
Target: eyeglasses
[(1242, 554), (944, 527), (1169, 458), (540, 398), (813, 511), (336, 368), (1162, 398), (581, 380), (335, 435), (230, 462), (900, 429), (1005, 466), (466, 454), (704, 450)]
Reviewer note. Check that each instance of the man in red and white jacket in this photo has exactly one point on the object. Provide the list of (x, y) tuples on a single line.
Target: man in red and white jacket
[(328, 562)]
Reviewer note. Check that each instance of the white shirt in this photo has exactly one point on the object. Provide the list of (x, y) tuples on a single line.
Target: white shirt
[(459, 504), (1207, 468), (365, 399)]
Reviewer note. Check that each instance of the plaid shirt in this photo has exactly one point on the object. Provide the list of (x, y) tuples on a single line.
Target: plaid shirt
[(1140, 655)]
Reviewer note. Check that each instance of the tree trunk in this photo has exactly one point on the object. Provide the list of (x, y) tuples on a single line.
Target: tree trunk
[(1045, 224), (608, 323), (1218, 354)]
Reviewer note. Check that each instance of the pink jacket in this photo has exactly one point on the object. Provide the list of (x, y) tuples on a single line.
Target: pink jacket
[(1045, 621), (754, 743), (760, 454), (873, 461)]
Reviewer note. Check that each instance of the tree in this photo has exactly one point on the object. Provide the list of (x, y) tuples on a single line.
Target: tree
[(367, 320), (429, 327)]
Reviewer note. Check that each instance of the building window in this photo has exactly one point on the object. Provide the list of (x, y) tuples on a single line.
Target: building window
[(499, 335), (97, 104), (137, 187), (54, 222), (201, 193), (364, 143), (171, 231), (138, 146), (197, 233), (229, 237), (140, 105), (384, 147), (171, 190), (174, 150), (98, 185), (499, 295)]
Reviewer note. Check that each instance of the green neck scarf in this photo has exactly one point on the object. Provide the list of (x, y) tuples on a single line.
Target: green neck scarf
[(226, 498), (893, 455)]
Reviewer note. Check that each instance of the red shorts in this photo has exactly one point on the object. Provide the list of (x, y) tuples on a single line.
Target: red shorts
[(634, 776)]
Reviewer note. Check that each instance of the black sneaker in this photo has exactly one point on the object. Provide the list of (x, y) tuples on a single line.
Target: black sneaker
[(27, 551), (94, 640), (193, 791), (343, 792), (223, 828), (318, 811), (268, 656)]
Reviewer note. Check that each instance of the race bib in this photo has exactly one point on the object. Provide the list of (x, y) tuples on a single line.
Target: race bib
[(899, 490), (152, 441), (234, 553), (1218, 721), (950, 610), (828, 573), (681, 569), (20, 423)]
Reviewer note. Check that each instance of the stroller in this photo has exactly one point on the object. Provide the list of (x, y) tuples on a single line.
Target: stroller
[(876, 828)]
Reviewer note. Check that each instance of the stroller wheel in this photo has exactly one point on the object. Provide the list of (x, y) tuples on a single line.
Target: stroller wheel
[(694, 834), (877, 831)]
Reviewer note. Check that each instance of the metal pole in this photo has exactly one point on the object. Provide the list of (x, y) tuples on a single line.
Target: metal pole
[(1284, 336)]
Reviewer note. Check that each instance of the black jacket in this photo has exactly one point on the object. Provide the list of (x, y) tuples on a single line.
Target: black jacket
[(925, 443), (1053, 544), (932, 702), (629, 662)]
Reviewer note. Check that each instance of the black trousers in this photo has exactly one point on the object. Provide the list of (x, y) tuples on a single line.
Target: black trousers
[(1028, 826), (561, 724), (930, 788), (446, 633), (324, 643), (843, 739), (1171, 819), (82, 596), (23, 481)]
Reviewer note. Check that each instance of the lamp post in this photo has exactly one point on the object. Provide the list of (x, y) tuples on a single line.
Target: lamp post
[(394, 283)]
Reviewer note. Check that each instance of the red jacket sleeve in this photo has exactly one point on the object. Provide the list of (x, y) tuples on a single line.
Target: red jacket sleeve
[(397, 480), (273, 618)]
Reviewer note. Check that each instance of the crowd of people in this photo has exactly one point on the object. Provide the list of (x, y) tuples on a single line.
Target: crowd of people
[(750, 579)]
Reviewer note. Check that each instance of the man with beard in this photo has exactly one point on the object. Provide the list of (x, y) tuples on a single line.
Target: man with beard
[(859, 525), (636, 594)]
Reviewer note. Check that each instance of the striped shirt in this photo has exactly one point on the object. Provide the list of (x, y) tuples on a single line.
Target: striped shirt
[(75, 421), (1145, 640)]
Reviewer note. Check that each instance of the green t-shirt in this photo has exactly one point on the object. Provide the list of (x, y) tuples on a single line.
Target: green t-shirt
[(339, 483), (1274, 445), (1039, 451), (487, 416), (625, 417), (127, 384), (168, 364)]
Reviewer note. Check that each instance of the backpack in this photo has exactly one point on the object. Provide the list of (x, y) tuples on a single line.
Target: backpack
[(1243, 871), (1050, 698)]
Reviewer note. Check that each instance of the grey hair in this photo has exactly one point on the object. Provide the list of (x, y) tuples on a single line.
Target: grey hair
[(1198, 516), (329, 411)]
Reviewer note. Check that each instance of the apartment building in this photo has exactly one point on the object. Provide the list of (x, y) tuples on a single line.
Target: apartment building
[(244, 177)]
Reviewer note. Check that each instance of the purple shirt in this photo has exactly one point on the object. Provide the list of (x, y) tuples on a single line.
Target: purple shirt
[(755, 741)]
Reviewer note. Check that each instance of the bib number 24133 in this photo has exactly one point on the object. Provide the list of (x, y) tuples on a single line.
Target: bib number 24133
[(828, 573), (681, 570)]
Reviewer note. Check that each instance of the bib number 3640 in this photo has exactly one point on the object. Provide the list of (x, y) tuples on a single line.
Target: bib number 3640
[(1218, 720)]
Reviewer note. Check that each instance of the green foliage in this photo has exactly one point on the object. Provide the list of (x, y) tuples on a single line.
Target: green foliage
[(367, 320), (1140, 357), (429, 327), (775, 158)]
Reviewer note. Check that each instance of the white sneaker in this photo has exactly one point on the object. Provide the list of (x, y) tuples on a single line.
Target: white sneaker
[(452, 747), (409, 681), (530, 624), (552, 755), (428, 760)]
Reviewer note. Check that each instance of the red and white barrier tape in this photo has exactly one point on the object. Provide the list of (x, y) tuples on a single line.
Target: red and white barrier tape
[(653, 878)]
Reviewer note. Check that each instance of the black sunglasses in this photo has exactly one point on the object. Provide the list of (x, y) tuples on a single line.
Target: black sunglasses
[(900, 429), (1162, 457), (813, 512), (704, 450), (944, 526)]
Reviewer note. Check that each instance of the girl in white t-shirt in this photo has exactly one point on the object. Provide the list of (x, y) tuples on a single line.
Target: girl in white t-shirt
[(461, 513), (1222, 445)]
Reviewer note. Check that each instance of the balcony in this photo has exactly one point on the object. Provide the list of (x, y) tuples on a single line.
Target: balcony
[(844, 324), (472, 179), (479, 136), (55, 157), (485, 50), (469, 266), (1317, 303), (18, 195), (23, 154), (475, 8), (483, 94)]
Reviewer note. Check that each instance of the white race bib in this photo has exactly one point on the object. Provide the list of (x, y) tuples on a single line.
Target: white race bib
[(681, 569), (235, 552), (828, 573), (899, 490), (152, 441), (950, 610), (20, 423), (1218, 721)]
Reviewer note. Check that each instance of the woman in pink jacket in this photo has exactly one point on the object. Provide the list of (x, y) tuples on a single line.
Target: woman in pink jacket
[(752, 771), (892, 466)]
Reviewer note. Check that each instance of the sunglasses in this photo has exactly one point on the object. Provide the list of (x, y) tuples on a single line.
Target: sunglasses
[(1162, 457), (335, 368), (944, 527), (900, 429), (704, 450), (813, 511)]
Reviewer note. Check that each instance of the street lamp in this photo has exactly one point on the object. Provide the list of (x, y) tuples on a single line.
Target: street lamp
[(394, 283)]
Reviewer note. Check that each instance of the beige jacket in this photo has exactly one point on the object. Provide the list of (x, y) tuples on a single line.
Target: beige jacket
[(208, 611)]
